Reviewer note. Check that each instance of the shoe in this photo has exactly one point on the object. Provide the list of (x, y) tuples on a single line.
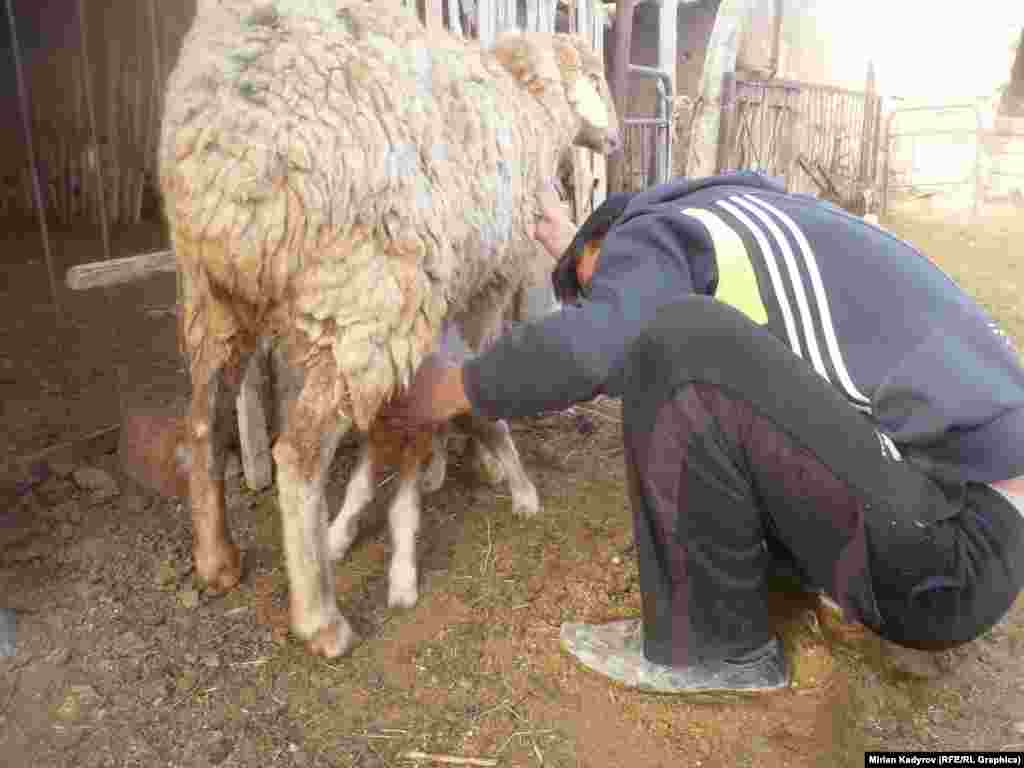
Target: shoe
[(615, 650)]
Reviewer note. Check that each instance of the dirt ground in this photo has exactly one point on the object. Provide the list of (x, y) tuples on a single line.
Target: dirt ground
[(123, 660)]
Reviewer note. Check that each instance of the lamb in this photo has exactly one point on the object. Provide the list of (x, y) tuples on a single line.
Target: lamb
[(346, 184), (495, 458)]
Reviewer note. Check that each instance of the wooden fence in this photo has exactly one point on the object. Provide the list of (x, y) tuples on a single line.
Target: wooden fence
[(820, 139), (115, 59)]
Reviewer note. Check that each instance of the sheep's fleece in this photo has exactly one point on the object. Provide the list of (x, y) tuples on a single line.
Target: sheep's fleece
[(358, 179)]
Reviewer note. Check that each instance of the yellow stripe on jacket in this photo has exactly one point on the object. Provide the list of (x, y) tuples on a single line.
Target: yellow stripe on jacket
[(737, 283)]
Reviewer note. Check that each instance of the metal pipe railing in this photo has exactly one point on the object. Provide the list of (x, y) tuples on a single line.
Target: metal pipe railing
[(662, 119)]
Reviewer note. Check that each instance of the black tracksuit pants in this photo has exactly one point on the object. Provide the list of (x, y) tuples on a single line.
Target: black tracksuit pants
[(733, 443)]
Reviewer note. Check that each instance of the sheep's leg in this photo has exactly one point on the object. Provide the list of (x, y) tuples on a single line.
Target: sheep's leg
[(486, 466), (496, 438), (303, 455), (404, 517), (217, 559), (358, 494), (437, 468)]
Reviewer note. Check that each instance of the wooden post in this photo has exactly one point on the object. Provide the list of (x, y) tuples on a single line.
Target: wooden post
[(434, 15), (108, 152), (622, 36), (253, 423), (725, 130), (455, 18), (582, 180), (98, 176), (886, 160), (37, 193), (485, 22), (667, 46), (599, 163), (979, 151), (719, 59), (876, 140), (866, 125), (777, 37)]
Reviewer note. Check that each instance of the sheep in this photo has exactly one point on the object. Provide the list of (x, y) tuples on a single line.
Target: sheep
[(346, 183)]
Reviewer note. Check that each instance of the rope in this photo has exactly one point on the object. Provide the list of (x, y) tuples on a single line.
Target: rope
[(37, 193)]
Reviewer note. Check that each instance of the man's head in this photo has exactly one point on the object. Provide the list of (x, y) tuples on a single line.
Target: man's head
[(571, 276)]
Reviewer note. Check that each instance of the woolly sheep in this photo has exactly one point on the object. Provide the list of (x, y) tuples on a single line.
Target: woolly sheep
[(346, 183)]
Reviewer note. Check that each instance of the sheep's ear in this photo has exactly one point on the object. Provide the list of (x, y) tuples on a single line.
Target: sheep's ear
[(530, 60)]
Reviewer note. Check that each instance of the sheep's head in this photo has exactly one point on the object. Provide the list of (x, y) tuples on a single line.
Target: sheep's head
[(541, 62), (588, 94)]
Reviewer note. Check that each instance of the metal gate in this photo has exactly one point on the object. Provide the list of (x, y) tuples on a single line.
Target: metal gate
[(819, 139), (647, 140)]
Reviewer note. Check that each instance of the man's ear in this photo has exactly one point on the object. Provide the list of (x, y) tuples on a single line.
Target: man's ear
[(587, 263), (530, 60)]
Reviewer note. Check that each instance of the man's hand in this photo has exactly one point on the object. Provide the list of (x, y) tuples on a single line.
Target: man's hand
[(554, 228), (435, 396)]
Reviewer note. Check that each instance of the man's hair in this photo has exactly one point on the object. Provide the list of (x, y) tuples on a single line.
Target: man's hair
[(596, 227)]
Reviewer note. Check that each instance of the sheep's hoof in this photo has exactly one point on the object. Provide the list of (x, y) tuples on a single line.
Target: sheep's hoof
[(405, 597), (526, 501), (402, 591), (334, 640), (219, 567), (487, 467)]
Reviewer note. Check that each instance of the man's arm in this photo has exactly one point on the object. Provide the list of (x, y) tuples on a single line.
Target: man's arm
[(573, 354)]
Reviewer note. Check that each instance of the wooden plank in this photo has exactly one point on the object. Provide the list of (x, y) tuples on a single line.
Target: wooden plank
[(726, 120), (115, 271), (253, 423), (584, 19), (485, 11), (470, 17), (600, 188), (455, 18), (548, 11), (508, 17), (533, 16), (582, 183), (599, 165), (74, 452), (667, 44), (435, 15)]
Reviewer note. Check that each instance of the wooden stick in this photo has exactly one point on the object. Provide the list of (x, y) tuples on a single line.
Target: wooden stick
[(33, 170), (86, 80), (253, 424), (449, 759), (115, 271), (98, 443)]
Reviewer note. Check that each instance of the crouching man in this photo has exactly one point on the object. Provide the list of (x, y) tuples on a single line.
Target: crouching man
[(793, 380)]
